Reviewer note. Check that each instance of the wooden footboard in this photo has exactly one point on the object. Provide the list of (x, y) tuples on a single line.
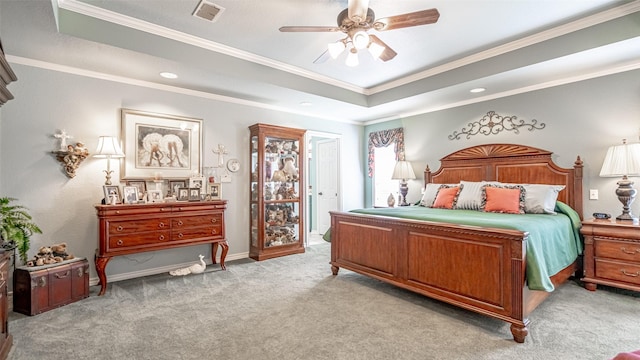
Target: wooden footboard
[(479, 269)]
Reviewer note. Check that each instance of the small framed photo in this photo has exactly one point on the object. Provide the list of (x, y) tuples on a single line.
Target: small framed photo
[(131, 195), (197, 182), (154, 196), (183, 194), (111, 192), (175, 185), (194, 194), (215, 191), (140, 184)]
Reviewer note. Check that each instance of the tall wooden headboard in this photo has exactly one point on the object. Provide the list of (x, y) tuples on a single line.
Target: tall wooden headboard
[(510, 163)]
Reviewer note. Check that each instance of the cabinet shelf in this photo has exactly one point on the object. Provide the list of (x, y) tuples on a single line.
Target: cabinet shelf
[(277, 228)]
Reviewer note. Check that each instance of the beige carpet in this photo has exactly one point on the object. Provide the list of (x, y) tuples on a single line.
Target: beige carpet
[(293, 308)]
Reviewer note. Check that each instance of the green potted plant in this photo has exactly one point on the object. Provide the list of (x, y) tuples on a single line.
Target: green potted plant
[(16, 227)]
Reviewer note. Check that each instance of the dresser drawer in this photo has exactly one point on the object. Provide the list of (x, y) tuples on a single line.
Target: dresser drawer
[(146, 238), (133, 226), (622, 250), (195, 233), (618, 270), (190, 221)]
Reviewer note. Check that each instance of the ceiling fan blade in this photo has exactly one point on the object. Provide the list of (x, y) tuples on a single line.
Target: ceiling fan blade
[(309, 29), (357, 10), (322, 58), (417, 18), (388, 52)]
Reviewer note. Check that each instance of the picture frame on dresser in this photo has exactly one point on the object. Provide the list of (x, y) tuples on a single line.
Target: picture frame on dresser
[(157, 144), (141, 184), (175, 185), (183, 194), (109, 192), (197, 182), (194, 194), (154, 196), (215, 191), (130, 194)]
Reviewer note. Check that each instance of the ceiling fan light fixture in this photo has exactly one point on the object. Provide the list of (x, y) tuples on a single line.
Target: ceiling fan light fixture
[(335, 49), (376, 50), (360, 39), (352, 58)]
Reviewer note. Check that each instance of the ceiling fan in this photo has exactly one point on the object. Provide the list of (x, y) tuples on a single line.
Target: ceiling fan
[(356, 21)]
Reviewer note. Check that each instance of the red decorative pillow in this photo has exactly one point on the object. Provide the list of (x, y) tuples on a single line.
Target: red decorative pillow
[(505, 199), (446, 197)]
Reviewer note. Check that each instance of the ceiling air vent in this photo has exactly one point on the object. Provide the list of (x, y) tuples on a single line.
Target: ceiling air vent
[(208, 11)]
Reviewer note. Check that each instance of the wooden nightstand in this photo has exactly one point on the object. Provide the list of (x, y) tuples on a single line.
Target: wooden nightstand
[(611, 254)]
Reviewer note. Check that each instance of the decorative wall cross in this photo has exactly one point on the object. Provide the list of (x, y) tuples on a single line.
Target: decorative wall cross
[(493, 123), (63, 136), (220, 151)]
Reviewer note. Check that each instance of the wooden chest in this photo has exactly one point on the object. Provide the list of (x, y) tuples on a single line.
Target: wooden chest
[(42, 288)]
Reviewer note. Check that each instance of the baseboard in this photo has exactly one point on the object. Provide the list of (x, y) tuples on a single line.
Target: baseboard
[(159, 270)]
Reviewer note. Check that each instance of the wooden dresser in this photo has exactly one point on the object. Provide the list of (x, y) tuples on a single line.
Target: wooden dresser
[(6, 340), (611, 254), (130, 229)]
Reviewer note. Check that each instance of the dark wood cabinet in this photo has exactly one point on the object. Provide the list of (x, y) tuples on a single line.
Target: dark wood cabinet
[(130, 229), (277, 201), (611, 254), (6, 340)]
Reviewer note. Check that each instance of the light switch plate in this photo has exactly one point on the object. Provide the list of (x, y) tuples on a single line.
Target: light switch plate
[(593, 194)]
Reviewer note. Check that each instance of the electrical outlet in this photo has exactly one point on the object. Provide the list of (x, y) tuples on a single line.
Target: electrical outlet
[(593, 194)]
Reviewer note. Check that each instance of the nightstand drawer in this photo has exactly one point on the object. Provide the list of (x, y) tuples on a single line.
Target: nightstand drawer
[(618, 270), (622, 250)]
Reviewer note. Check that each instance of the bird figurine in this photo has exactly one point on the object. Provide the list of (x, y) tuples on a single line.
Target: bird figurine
[(196, 268)]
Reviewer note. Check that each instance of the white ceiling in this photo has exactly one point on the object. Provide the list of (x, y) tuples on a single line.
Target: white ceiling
[(505, 46)]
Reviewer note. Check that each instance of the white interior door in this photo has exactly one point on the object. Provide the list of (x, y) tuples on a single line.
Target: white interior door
[(327, 181)]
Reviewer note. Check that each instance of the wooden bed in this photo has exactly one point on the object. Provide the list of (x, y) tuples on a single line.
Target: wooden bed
[(492, 281)]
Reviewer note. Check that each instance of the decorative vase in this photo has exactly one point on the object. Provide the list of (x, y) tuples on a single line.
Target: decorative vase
[(391, 200)]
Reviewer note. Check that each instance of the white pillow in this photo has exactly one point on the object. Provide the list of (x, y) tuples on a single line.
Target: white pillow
[(470, 197), (429, 195), (541, 199)]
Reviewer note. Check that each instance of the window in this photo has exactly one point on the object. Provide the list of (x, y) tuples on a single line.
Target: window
[(385, 161)]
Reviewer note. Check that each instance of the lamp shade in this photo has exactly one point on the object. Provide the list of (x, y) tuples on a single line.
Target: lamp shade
[(403, 171), (108, 146), (622, 160)]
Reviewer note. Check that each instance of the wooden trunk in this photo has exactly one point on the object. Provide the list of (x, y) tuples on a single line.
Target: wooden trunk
[(42, 288)]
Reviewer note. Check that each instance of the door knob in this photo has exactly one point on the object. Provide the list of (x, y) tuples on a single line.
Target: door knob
[(320, 193)]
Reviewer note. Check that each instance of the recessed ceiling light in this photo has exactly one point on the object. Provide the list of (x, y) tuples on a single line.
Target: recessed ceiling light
[(168, 75), (478, 90), (305, 103)]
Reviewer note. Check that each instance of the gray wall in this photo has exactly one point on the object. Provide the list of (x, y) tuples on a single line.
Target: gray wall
[(47, 101), (582, 119)]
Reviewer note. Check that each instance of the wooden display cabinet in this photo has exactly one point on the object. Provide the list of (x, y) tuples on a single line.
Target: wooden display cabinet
[(277, 201)]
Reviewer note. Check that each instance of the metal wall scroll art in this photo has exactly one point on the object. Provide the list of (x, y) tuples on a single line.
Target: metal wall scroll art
[(492, 124), (70, 156)]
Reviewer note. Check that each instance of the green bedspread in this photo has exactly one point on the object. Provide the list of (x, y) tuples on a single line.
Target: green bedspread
[(554, 240)]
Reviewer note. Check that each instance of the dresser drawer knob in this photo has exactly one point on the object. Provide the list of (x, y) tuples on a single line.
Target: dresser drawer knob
[(180, 235), (214, 220), (630, 274), (630, 252), (161, 225), (180, 223), (119, 228), (161, 237), (119, 242), (214, 231)]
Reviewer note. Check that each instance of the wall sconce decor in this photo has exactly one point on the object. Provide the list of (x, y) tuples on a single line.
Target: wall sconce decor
[(403, 171), (493, 123), (108, 147), (70, 156), (623, 160)]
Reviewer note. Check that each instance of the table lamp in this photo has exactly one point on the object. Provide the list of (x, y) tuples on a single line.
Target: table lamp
[(403, 171), (108, 147), (623, 160)]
